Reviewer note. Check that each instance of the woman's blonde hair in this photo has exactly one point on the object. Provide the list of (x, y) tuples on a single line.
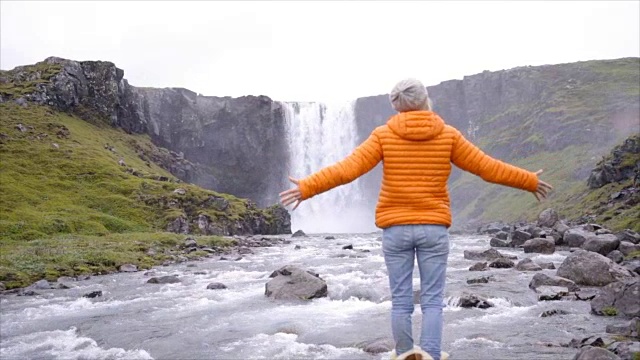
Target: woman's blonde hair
[(410, 95)]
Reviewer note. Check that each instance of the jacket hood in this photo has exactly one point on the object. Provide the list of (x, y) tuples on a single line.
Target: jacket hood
[(416, 125)]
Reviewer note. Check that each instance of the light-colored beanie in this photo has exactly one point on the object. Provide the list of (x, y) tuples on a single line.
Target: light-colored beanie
[(410, 95)]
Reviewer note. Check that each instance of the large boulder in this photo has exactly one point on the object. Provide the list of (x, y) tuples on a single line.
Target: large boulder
[(623, 296), (575, 237), (540, 246), (626, 248), (527, 265), (547, 218), (629, 235), (495, 242), (541, 279), (592, 269), (292, 283), (561, 227), (519, 236), (595, 353), (601, 244), (629, 329)]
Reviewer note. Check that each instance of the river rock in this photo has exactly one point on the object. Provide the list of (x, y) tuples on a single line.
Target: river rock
[(495, 242), (595, 353), (216, 286), (601, 244), (298, 233), (626, 350), (527, 265), (489, 254), (41, 285), (551, 293), (561, 227), (538, 232), (616, 256), (591, 269), (128, 268), (575, 237), (540, 246), (479, 280), (479, 266), (548, 218), (629, 235), (377, 346), (93, 294), (329, 237), (502, 263), (471, 300), (585, 342), (624, 296), (291, 282), (502, 235), (347, 247), (553, 312), (586, 294), (169, 279), (630, 328), (190, 243), (541, 279), (518, 237), (633, 265), (626, 248), (592, 227), (547, 265)]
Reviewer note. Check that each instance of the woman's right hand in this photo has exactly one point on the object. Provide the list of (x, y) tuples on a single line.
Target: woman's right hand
[(543, 187)]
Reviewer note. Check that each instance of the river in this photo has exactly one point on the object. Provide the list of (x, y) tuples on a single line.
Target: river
[(137, 320)]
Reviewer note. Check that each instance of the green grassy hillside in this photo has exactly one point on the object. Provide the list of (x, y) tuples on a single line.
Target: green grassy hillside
[(561, 118), (68, 188), (571, 196)]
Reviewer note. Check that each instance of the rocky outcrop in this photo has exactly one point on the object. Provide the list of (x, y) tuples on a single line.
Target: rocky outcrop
[(618, 298), (592, 269), (622, 164), (233, 144), (238, 141)]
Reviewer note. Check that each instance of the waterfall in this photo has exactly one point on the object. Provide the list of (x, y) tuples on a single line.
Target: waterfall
[(319, 135)]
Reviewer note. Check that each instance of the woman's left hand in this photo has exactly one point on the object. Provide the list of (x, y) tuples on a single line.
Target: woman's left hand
[(292, 195)]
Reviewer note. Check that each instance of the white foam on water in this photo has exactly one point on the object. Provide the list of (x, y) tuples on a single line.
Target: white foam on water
[(365, 286), (63, 344), (285, 346), (555, 257), (502, 311), (69, 307), (478, 342)]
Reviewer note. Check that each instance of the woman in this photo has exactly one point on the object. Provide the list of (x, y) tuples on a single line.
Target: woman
[(417, 149)]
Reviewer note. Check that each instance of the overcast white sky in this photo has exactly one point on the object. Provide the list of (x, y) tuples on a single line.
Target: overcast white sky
[(325, 50)]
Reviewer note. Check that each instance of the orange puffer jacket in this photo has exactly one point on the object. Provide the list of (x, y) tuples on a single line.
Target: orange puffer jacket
[(417, 149)]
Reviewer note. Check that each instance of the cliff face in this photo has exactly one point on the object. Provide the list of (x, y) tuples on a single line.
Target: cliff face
[(235, 143), (238, 142), (533, 116)]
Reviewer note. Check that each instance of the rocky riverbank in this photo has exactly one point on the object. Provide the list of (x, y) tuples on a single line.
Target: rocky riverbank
[(150, 250), (603, 268)]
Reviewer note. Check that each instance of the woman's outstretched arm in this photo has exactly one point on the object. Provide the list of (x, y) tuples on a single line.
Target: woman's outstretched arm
[(470, 158), (364, 158)]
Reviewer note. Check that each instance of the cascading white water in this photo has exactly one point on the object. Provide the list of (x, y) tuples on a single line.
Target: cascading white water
[(320, 135)]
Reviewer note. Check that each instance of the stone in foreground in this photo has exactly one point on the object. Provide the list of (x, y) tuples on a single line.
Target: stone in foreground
[(294, 283)]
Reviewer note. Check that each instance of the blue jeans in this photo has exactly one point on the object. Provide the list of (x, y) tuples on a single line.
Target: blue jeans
[(430, 244)]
